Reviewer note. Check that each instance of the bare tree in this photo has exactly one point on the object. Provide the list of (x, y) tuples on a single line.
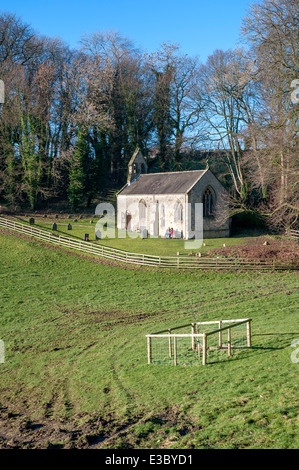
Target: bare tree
[(176, 107), (271, 31), (224, 82), (123, 85)]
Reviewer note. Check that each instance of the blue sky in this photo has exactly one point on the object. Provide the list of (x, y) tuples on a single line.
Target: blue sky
[(199, 26)]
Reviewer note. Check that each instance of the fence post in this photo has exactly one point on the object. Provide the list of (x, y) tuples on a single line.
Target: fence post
[(229, 346), (169, 343), (149, 351), (220, 334), (204, 349), (174, 350), (198, 347), (248, 334), (193, 338)]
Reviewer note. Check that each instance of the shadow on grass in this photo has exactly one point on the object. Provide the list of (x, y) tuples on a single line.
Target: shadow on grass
[(242, 354), (285, 340)]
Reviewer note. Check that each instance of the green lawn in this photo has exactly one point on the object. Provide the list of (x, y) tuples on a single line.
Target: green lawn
[(76, 373)]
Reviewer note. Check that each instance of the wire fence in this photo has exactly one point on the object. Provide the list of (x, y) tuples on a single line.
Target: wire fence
[(205, 342), (179, 262)]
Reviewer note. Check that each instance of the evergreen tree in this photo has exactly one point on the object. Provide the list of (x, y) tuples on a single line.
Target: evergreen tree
[(77, 174)]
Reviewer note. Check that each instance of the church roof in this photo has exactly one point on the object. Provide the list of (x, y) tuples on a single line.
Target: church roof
[(177, 182)]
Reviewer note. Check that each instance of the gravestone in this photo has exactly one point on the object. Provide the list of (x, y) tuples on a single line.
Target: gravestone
[(69, 227), (98, 235), (31, 221), (144, 233), (54, 226), (86, 237)]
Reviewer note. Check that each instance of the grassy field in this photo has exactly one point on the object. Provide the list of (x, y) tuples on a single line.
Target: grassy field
[(76, 374)]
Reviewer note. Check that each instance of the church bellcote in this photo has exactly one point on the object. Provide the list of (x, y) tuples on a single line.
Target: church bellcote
[(137, 165)]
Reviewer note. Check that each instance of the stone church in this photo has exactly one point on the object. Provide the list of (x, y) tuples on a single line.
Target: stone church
[(151, 203)]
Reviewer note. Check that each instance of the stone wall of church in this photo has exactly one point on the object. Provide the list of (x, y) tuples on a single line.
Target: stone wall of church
[(217, 225), (158, 215)]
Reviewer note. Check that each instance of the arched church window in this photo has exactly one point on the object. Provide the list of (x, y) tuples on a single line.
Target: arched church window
[(178, 212), (123, 220), (142, 209), (162, 215), (208, 203)]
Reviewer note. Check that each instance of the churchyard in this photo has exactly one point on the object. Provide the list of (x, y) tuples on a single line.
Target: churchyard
[(250, 244)]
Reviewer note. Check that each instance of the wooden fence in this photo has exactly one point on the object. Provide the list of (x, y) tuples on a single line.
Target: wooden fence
[(205, 342), (122, 256)]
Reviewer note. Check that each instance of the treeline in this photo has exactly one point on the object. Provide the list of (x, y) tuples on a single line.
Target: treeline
[(71, 119)]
